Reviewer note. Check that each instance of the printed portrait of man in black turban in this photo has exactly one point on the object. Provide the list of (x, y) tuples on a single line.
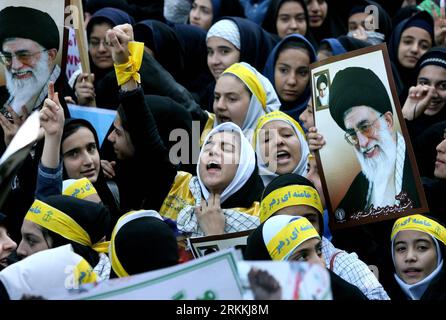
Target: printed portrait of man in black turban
[(361, 107)]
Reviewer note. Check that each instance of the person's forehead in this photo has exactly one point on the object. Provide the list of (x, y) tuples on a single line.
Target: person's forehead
[(31, 228), (433, 73), (18, 44), (359, 113), (412, 236), (225, 136)]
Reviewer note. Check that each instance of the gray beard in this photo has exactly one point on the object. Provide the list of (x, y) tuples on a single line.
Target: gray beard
[(23, 90), (379, 168)]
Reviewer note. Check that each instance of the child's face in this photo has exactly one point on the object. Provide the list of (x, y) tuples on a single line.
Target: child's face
[(415, 255)]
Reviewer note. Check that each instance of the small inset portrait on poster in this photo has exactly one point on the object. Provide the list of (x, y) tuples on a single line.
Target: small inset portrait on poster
[(321, 92)]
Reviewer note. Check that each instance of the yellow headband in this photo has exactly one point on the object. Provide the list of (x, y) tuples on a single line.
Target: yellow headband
[(129, 70), (115, 263), (80, 189), (250, 79), (421, 223), (58, 222), (292, 195), (290, 237), (83, 273), (272, 116)]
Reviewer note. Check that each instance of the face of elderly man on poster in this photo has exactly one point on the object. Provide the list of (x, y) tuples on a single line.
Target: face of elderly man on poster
[(361, 107), (29, 41)]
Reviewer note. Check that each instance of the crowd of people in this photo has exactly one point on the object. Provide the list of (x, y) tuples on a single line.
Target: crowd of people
[(238, 72)]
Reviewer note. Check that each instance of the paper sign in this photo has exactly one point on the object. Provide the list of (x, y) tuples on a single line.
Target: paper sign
[(202, 246), (101, 119), (194, 280), (282, 280)]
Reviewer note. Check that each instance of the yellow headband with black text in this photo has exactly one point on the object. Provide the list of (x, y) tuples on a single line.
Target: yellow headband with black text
[(80, 189), (421, 223), (292, 195), (58, 222), (272, 116), (250, 79), (282, 245)]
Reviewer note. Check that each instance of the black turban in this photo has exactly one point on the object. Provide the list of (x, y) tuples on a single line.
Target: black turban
[(29, 23), (353, 87), (322, 79)]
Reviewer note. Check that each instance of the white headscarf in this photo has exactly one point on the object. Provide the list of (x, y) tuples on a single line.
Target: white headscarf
[(415, 291), (44, 271), (266, 175), (255, 109), (225, 29), (246, 164)]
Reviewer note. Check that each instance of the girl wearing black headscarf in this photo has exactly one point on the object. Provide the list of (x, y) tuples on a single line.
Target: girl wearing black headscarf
[(61, 220), (425, 105), (204, 13), (410, 39), (287, 68), (285, 17), (101, 62), (162, 43)]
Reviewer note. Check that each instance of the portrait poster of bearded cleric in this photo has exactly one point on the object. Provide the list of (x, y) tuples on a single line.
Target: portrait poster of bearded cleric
[(32, 49), (367, 165)]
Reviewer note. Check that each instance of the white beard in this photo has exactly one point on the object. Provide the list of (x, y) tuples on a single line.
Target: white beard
[(380, 169), (23, 90)]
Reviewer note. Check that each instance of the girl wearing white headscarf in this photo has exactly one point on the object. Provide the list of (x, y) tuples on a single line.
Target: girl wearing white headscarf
[(287, 147), (227, 181), (263, 99)]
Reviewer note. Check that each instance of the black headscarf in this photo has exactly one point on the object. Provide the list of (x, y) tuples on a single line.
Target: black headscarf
[(335, 23), (146, 244), (92, 217), (270, 21), (256, 248), (384, 21), (424, 147), (435, 56), (255, 43), (113, 17), (408, 76), (71, 126), (163, 41), (196, 70)]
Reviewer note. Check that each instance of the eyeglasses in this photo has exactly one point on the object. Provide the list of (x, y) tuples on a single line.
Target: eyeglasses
[(366, 129), (24, 57), (97, 43)]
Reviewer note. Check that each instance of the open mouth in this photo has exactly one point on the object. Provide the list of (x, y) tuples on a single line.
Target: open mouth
[(213, 167), (224, 119), (371, 152), (22, 74), (283, 156), (411, 272)]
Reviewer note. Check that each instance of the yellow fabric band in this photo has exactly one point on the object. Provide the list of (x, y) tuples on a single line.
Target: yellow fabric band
[(115, 263), (58, 222), (290, 237), (251, 80), (275, 115), (129, 70), (293, 195), (80, 189), (421, 223), (83, 273)]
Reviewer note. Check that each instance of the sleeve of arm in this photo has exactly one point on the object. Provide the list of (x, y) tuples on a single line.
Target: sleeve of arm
[(155, 79), (49, 181), (350, 268), (150, 151)]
